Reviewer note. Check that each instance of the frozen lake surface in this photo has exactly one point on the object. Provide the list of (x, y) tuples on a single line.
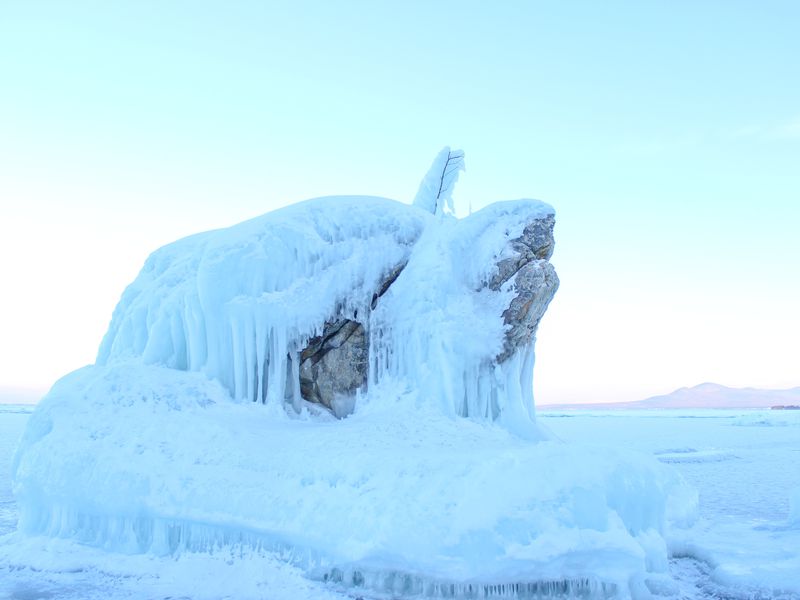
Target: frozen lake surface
[(12, 422), (744, 464)]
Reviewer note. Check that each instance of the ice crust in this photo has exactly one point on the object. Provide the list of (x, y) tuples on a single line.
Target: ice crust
[(137, 458), (189, 433), (794, 508)]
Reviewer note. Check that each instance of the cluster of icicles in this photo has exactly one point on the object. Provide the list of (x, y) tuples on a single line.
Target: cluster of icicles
[(240, 304), (171, 537), (410, 586)]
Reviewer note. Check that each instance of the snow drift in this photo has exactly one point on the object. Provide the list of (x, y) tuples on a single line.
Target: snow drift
[(192, 430)]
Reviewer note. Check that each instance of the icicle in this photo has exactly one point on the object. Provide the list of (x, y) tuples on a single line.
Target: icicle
[(250, 363), (294, 360), (261, 356), (236, 356)]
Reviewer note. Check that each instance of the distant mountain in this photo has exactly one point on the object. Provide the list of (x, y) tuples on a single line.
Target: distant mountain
[(705, 395), (18, 395)]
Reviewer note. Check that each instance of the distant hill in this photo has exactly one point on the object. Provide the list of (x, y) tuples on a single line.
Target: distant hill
[(17, 395), (705, 395)]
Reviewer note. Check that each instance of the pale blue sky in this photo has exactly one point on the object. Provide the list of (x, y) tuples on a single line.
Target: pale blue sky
[(666, 135)]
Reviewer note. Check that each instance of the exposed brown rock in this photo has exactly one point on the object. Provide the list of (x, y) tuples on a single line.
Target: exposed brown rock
[(534, 282), (335, 364)]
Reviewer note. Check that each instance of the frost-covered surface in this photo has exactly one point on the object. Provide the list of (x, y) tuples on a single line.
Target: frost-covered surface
[(51, 568), (744, 505), (239, 304), (794, 512), (154, 460), (746, 542), (12, 417)]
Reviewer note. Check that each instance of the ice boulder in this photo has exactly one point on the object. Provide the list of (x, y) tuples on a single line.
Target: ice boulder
[(209, 417)]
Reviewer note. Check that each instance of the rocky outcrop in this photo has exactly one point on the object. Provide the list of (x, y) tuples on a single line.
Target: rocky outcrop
[(335, 364), (534, 282)]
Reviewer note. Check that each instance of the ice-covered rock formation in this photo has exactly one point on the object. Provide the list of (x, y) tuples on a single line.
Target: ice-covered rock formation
[(245, 305), (317, 300), (202, 422)]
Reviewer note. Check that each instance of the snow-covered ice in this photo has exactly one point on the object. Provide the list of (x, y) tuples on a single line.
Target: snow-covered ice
[(746, 541), (747, 522), (151, 460)]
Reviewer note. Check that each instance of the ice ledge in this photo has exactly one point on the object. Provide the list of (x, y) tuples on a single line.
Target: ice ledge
[(171, 537), (136, 458)]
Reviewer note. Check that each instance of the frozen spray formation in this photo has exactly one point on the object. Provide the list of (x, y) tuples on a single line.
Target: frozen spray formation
[(323, 299), (207, 420)]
